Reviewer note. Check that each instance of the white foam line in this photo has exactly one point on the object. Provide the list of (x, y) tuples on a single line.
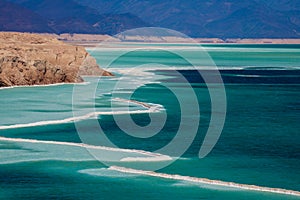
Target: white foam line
[(82, 145), (174, 68), (46, 85), (42, 123), (206, 181), (75, 119), (145, 105), (147, 159), (152, 107), (141, 70)]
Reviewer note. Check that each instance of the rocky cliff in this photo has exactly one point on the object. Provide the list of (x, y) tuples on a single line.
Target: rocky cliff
[(32, 59)]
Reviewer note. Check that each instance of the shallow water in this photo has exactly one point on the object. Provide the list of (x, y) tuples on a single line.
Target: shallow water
[(42, 128)]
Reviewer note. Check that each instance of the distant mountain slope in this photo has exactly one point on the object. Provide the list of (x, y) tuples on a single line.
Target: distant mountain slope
[(116, 23), (213, 18), (62, 10), (16, 18), (254, 21), (68, 16), (196, 18)]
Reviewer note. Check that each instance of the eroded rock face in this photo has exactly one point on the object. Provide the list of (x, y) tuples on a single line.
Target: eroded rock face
[(89, 67), (31, 59)]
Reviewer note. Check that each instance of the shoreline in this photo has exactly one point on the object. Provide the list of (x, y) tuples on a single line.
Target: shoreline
[(90, 40), (93, 39), (95, 44)]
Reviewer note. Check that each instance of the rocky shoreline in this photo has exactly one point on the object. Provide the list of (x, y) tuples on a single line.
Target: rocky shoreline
[(34, 59)]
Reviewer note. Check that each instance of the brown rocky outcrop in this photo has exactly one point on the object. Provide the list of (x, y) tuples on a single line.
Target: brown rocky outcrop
[(32, 59)]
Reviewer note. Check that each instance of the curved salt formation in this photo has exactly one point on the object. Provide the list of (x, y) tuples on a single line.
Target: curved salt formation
[(206, 181), (150, 109), (142, 152)]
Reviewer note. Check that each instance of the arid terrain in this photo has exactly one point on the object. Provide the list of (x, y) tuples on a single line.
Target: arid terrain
[(33, 59)]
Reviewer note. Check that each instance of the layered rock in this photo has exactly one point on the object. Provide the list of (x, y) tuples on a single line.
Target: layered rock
[(32, 59)]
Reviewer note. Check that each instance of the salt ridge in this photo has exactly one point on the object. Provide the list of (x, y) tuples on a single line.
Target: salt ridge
[(206, 181), (142, 152), (150, 109)]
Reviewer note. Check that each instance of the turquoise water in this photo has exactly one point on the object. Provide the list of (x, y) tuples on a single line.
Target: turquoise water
[(259, 144)]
